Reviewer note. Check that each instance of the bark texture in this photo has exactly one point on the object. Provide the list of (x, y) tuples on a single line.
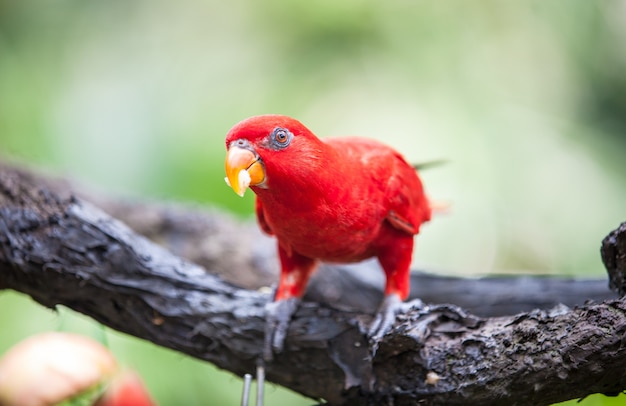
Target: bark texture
[(59, 249)]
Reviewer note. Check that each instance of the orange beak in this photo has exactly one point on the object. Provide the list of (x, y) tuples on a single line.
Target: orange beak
[(243, 169)]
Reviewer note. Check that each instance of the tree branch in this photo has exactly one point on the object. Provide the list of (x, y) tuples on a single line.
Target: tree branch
[(240, 254), (61, 250)]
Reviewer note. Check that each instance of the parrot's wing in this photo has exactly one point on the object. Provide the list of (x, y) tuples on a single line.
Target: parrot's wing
[(400, 223), (260, 215), (408, 205)]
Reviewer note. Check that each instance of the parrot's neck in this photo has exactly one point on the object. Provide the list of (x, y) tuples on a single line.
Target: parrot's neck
[(302, 185)]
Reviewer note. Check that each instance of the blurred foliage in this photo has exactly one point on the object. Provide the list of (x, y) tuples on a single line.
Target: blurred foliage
[(526, 100)]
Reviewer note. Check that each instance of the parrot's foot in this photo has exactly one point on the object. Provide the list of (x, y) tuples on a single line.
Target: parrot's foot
[(386, 314), (278, 315), (420, 319)]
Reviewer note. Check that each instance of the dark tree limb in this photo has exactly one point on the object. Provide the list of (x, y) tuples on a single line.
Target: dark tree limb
[(62, 250), (241, 255)]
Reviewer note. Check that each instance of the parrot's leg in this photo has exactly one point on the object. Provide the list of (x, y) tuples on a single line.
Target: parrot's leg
[(396, 262), (294, 276)]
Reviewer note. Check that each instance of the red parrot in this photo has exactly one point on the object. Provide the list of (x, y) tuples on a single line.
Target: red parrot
[(339, 200)]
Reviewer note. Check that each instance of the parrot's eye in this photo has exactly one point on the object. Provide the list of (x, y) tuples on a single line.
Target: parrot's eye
[(280, 137)]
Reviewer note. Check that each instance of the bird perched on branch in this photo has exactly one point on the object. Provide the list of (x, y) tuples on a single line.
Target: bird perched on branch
[(340, 199)]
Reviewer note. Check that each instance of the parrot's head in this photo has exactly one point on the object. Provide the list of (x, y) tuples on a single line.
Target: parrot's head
[(267, 147)]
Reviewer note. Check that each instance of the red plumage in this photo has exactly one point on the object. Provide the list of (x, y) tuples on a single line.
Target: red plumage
[(340, 199)]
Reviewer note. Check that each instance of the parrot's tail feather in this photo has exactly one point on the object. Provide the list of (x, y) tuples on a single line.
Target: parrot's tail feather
[(429, 164)]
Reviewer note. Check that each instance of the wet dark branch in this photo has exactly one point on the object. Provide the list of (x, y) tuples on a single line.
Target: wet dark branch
[(240, 254), (61, 250)]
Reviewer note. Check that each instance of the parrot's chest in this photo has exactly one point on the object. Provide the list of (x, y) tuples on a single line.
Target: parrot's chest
[(328, 230)]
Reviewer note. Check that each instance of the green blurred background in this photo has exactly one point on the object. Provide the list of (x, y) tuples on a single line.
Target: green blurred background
[(525, 100)]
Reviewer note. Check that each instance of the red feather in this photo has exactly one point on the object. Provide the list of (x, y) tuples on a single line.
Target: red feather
[(337, 199)]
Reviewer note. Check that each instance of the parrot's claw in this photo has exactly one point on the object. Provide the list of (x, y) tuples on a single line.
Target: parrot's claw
[(278, 315), (386, 314)]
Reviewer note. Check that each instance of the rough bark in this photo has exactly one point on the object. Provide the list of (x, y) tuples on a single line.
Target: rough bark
[(62, 250), (240, 254)]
